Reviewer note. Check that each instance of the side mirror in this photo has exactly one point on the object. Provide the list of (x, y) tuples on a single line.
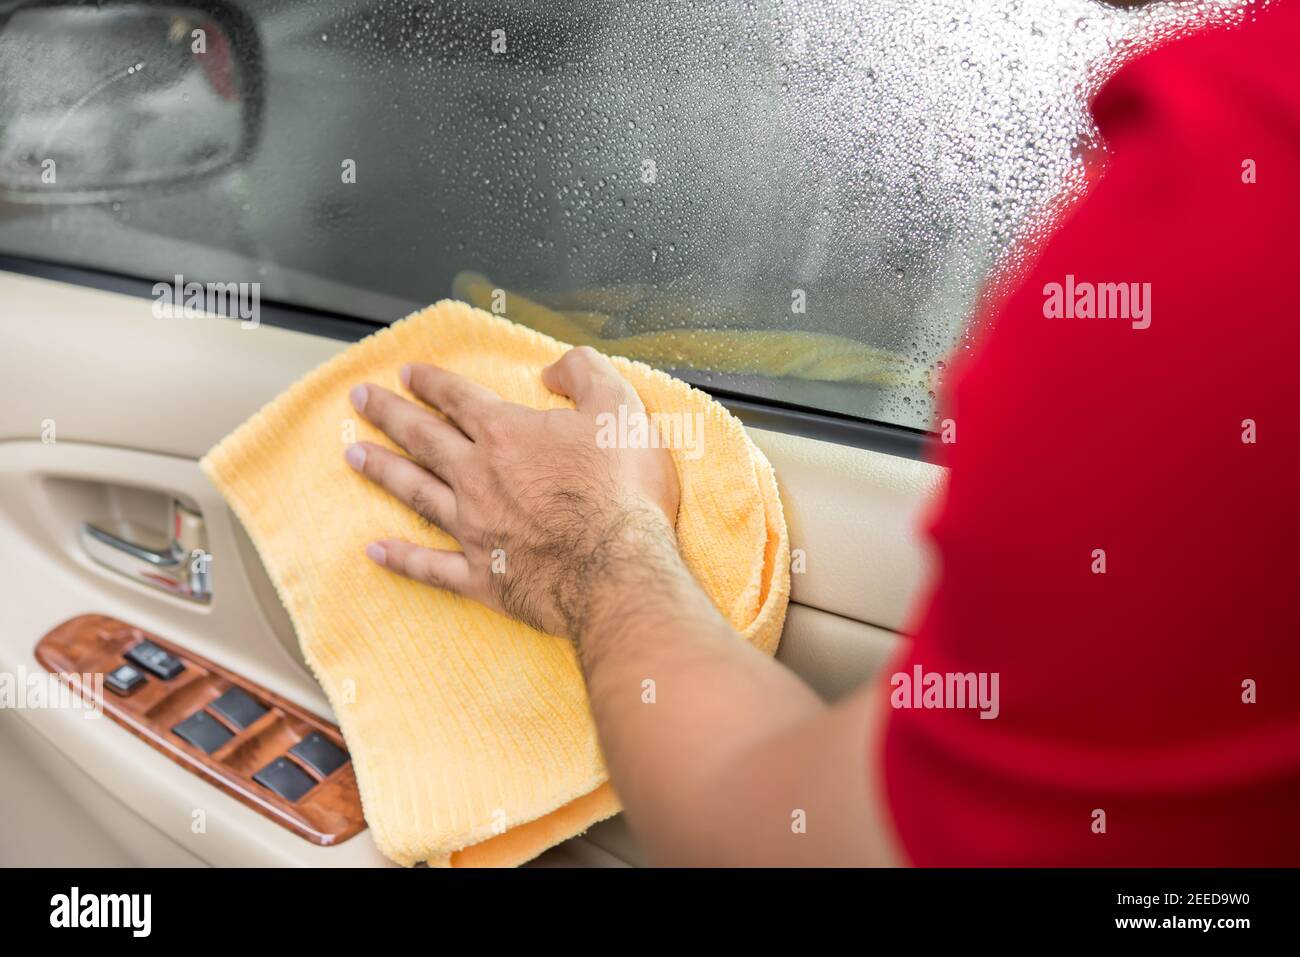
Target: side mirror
[(100, 102)]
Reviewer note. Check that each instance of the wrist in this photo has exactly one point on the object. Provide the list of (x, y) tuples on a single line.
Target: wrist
[(630, 552)]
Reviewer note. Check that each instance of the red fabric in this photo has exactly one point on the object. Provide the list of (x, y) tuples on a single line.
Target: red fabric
[(1123, 691)]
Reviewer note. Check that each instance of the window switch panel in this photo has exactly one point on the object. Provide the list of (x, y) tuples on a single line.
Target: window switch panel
[(285, 778), (155, 661), (230, 733), (238, 707), (320, 754), (203, 731)]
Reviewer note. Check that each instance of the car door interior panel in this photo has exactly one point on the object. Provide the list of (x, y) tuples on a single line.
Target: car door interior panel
[(67, 461)]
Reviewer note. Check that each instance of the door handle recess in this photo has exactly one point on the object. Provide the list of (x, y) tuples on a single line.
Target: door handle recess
[(183, 568)]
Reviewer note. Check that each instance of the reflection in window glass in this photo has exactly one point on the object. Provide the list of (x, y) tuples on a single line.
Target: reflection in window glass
[(794, 200)]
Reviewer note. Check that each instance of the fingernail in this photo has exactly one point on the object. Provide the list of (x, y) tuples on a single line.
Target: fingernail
[(405, 374), (356, 456), (376, 553), (358, 397)]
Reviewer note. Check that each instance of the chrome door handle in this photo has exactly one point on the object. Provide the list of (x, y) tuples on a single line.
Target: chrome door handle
[(182, 569)]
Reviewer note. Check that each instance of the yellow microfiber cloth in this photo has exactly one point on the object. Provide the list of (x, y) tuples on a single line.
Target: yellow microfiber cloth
[(470, 733)]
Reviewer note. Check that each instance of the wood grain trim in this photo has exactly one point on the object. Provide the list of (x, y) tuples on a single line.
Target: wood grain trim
[(328, 814)]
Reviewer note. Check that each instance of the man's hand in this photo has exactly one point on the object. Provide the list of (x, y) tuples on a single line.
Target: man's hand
[(544, 516)]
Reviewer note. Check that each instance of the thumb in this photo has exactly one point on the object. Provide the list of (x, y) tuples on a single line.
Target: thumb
[(591, 381)]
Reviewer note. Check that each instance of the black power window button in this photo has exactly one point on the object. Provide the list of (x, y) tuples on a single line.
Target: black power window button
[(156, 661), (320, 754), (285, 778), (203, 731), (238, 707), (123, 680)]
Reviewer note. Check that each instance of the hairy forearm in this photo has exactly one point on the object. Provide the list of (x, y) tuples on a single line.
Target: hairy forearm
[(681, 703)]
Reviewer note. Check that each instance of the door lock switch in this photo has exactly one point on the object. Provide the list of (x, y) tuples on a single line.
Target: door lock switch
[(123, 680), (155, 661)]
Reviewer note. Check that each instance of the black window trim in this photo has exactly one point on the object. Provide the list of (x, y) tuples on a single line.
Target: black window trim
[(759, 413)]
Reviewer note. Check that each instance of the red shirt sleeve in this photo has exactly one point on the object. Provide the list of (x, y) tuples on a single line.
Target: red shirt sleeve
[(1148, 713)]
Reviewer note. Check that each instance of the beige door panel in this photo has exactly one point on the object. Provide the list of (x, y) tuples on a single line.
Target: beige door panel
[(50, 579), (105, 370), (855, 515), (131, 401), (57, 815)]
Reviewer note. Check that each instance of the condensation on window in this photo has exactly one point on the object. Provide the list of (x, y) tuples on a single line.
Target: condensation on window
[(792, 200)]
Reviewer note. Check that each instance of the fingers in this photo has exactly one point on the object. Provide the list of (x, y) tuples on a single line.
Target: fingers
[(467, 404), (427, 495), (591, 381), (432, 442), (432, 566)]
